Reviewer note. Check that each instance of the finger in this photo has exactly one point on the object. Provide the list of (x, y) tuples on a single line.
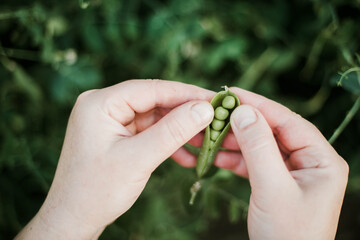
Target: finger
[(162, 139), (197, 140), (123, 100), (184, 158), (230, 142), (144, 120), (233, 161), (227, 160), (293, 132), (262, 156)]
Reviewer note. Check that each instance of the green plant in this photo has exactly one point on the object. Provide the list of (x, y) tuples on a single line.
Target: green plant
[(289, 51)]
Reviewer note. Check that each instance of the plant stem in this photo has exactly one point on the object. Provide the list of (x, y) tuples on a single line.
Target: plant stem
[(20, 54), (14, 14), (344, 75), (254, 72), (349, 116)]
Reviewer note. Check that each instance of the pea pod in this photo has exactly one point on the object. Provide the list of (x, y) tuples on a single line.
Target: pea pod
[(215, 134)]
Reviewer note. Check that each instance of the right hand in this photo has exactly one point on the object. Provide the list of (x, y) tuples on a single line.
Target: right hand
[(297, 179)]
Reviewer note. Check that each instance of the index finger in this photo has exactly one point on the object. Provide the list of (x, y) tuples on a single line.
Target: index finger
[(291, 130), (138, 96)]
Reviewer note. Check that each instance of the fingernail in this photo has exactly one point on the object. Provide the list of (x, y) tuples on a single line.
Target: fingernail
[(202, 112), (244, 116)]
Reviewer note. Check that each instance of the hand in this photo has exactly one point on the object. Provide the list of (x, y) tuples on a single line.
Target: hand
[(113, 143), (297, 179)]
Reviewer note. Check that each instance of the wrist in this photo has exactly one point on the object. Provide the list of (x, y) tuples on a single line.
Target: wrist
[(52, 222)]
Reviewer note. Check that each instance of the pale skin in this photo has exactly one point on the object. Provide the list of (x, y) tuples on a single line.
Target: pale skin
[(297, 179)]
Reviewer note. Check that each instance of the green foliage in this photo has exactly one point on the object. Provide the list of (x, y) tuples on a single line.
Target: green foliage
[(290, 51)]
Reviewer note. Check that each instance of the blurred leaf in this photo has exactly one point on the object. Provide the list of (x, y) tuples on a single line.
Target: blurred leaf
[(284, 50), (234, 211), (23, 80), (74, 79), (231, 49)]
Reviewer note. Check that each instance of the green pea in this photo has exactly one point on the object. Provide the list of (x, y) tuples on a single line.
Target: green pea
[(221, 113), (228, 102), (212, 143), (217, 124), (214, 134)]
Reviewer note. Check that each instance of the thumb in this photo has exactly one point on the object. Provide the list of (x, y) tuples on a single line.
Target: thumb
[(161, 140), (262, 156)]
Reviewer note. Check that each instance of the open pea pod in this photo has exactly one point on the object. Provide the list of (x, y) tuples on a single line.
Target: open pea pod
[(211, 145)]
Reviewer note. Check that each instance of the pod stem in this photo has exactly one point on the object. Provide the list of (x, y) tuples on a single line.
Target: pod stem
[(226, 88), (194, 190)]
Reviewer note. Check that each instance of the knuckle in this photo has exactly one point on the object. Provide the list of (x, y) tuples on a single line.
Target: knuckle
[(344, 167), (256, 142), (83, 105), (176, 131), (84, 97), (339, 171)]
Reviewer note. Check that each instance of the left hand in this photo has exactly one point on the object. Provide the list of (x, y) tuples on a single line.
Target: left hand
[(115, 139)]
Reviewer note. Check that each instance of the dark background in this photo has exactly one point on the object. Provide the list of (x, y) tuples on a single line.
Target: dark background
[(294, 52)]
